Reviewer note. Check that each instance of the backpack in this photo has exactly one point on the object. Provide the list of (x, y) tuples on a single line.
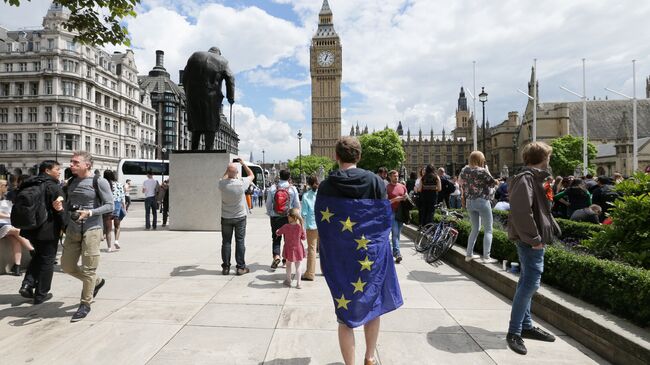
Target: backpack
[(281, 200), (447, 187), (29, 209)]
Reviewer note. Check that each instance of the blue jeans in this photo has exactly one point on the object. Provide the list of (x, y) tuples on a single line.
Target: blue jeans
[(480, 210), (531, 263), (227, 227), (455, 201), (395, 231), (150, 205)]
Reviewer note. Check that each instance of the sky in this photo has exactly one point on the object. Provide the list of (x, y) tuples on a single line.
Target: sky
[(403, 60)]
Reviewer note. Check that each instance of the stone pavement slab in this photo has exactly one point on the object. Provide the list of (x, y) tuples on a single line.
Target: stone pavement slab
[(166, 302)]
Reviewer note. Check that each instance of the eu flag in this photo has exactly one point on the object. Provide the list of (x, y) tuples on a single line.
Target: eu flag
[(356, 257)]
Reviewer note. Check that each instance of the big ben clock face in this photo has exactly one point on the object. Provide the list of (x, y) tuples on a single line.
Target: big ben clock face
[(325, 59)]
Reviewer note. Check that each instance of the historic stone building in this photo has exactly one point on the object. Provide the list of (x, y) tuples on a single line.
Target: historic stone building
[(450, 151), (609, 126), (57, 96), (326, 64)]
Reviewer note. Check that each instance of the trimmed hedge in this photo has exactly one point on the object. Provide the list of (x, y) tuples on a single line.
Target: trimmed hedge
[(621, 289), (572, 229)]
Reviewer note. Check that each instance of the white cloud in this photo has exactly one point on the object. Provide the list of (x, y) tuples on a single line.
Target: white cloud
[(259, 132), (290, 110), (248, 37)]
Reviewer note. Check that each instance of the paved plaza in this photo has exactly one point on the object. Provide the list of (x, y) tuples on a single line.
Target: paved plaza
[(166, 302)]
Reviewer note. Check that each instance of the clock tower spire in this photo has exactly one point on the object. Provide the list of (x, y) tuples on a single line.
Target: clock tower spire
[(326, 71)]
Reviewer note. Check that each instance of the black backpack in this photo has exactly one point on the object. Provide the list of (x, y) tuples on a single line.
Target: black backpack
[(448, 187), (29, 210)]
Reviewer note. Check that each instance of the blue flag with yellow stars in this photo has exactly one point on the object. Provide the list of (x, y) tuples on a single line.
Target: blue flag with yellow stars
[(356, 257)]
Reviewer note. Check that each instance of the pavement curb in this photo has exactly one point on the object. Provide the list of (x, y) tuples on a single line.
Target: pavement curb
[(611, 337)]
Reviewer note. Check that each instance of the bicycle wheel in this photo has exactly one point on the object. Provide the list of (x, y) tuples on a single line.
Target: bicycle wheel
[(434, 252), (422, 241)]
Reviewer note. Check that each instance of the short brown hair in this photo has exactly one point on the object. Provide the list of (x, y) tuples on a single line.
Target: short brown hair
[(348, 149), (477, 158), (535, 152)]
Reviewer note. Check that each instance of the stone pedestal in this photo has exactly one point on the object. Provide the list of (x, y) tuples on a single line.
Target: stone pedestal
[(194, 196)]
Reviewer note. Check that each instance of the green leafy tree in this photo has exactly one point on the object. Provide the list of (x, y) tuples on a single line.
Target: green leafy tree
[(97, 22), (311, 164), (382, 148), (567, 154)]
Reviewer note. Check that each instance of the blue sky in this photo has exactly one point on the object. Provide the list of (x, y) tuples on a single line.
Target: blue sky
[(402, 59)]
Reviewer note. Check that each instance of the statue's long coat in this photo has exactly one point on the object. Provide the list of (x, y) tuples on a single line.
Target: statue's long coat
[(202, 79)]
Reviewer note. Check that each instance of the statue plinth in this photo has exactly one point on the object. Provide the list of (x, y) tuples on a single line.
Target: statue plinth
[(194, 196)]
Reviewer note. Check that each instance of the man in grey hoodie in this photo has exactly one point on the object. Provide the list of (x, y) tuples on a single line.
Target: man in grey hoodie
[(532, 227)]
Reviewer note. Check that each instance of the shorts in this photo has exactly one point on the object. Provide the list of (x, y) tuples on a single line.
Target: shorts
[(4, 229), (117, 209)]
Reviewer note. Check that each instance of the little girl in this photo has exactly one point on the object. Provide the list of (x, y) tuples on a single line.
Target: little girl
[(293, 250)]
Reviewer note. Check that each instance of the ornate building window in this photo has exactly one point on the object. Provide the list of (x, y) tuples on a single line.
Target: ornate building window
[(18, 141), (4, 144), (31, 141)]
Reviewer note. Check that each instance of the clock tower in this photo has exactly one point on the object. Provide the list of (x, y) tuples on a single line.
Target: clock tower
[(326, 69)]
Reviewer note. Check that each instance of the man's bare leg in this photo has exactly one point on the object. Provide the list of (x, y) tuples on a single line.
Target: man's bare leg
[(371, 330), (346, 342)]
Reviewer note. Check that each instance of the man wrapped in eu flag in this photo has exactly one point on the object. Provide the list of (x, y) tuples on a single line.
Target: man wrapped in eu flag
[(353, 216)]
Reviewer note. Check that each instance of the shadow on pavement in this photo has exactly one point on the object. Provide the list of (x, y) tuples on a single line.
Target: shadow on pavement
[(432, 277), (444, 343), (34, 314), (192, 270), (294, 361)]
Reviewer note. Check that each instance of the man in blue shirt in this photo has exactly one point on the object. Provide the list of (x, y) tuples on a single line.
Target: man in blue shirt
[(278, 219)]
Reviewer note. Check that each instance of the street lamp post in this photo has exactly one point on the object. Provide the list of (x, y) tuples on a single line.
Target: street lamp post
[(300, 152), (474, 102), (482, 97), (584, 118), (162, 166), (635, 156)]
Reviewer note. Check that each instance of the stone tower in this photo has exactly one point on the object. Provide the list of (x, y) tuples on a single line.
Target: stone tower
[(326, 69), (462, 111)]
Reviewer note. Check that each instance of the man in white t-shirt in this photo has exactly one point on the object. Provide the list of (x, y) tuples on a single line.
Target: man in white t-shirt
[(234, 210), (150, 188)]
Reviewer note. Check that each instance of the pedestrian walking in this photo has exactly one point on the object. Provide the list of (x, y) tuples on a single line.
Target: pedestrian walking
[(531, 225), (309, 218), (150, 188), (11, 233), (45, 238), (108, 218), (477, 183), (354, 222), (233, 215), (162, 199), (396, 194), (87, 199), (293, 251), (455, 197), (127, 194), (281, 198)]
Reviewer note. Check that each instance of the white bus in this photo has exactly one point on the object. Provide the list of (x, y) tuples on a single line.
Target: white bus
[(136, 170)]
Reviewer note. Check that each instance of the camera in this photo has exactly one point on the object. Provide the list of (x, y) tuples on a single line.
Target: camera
[(74, 212)]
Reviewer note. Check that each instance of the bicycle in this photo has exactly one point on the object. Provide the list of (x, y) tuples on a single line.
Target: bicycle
[(435, 239)]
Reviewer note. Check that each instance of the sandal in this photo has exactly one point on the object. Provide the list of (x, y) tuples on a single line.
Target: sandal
[(286, 283), (275, 263)]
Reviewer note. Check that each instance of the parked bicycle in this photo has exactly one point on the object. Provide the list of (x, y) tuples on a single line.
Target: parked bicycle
[(435, 239)]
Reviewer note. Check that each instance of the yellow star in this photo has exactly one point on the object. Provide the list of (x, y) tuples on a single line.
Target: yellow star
[(347, 225), (326, 215), (366, 264), (362, 242), (358, 286), (342, 302)]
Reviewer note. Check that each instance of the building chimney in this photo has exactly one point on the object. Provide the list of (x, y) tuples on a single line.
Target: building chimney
[(160, 59), (180, 77)]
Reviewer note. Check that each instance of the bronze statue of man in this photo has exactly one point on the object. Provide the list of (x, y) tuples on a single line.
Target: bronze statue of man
[(202, 79)]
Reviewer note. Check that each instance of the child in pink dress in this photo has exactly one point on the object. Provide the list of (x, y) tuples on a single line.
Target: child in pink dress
[(294, 251)]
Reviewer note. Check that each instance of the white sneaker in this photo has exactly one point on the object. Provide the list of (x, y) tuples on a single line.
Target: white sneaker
[(470, 258), (117, 245), (489, 260)]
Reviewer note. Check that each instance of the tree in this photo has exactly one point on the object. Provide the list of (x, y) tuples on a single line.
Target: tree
[(567, 155), (97, 22), (311, 164), (383, 148)]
